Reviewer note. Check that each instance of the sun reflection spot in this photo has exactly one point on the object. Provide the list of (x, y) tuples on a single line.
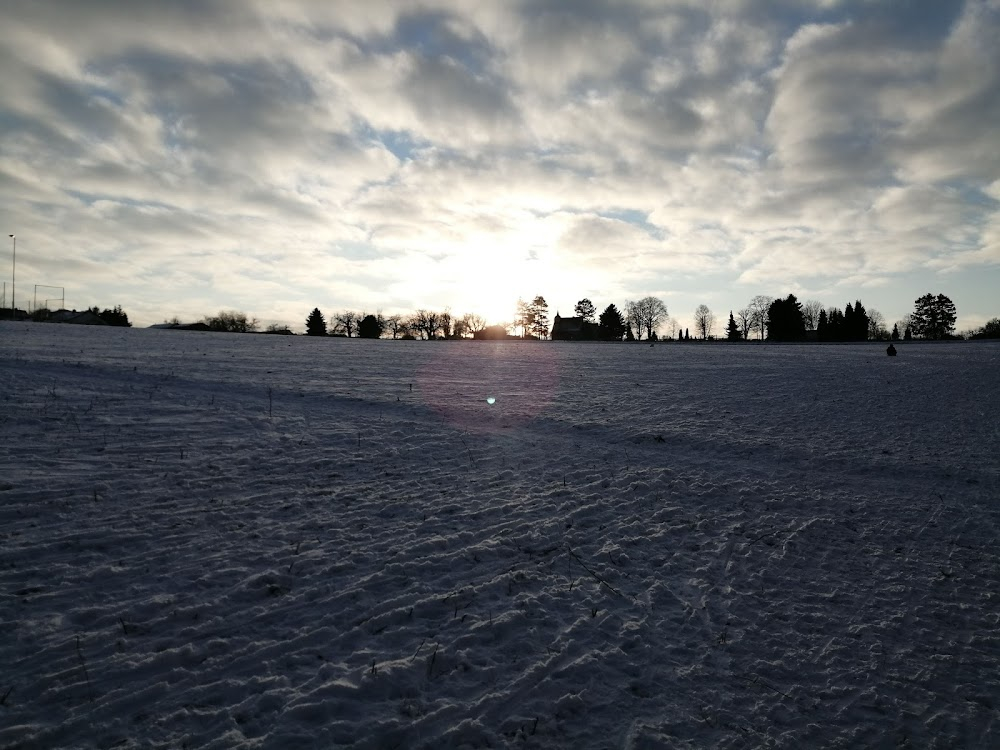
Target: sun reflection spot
[(490, 400)]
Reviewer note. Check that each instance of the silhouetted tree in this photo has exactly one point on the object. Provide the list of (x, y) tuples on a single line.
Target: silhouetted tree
[(876, 325), (733, 330), (810, 314), (933, 317), (447, 324), (426, 323), (822, 327), (835, 328), (538, 311), (855, 326), (687, 337), (758, 308), (629, 334), (645, 315), (231, 321), (784, 320), (585, 309), (473, 323), (346, 322), (370, 327), (989, 331), (394, 324), (745, 318), (315, 323), (704, 321), (114, 317), (895, 332), (611, 325)]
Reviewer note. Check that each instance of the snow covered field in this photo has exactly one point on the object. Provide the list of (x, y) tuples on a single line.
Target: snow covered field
[(212, 540)]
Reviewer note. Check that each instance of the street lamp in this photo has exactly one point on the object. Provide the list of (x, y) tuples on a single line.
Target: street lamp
[(13, 275)]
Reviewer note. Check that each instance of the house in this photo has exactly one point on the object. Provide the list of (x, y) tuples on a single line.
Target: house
[(573, 329), (492, 333), (183, 326), (85, 318)]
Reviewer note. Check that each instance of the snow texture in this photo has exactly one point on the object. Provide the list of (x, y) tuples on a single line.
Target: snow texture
[(220, 541)]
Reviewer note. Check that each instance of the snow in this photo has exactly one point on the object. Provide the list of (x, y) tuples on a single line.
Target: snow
[(220, 540)]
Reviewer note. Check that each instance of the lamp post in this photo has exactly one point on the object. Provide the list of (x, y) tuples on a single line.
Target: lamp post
[(13, 275)]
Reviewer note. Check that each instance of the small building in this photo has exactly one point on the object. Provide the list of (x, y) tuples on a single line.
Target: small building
[(492, 333), (85, 318), (183, 326), (573, 329)]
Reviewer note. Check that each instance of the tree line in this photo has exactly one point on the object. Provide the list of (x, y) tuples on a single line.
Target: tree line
[(763, 318)]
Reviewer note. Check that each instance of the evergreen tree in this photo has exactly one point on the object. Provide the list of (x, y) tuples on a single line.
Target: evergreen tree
[(629, 335), (611, 325), (785, 321), (859, 330), (732, 330), (835, 325), (315, 323), (823, 327), (370, 327), (895, 332), (847, 324), (908, 334), (686, 336), (114, 317)]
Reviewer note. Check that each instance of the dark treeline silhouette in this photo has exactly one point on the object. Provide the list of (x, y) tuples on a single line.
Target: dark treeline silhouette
[(849, 325), (763, 319), (785, 321), (114, 316), (989, 331)]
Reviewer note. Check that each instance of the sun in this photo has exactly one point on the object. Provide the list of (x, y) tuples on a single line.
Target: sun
[(491, 287)]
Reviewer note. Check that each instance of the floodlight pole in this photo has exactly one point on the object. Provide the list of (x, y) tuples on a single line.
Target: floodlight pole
[(13, 275)]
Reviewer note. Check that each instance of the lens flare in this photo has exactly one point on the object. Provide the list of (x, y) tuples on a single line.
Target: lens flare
[(490, 400)]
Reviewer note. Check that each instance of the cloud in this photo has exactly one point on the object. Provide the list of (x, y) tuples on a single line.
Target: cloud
[(373, 155)]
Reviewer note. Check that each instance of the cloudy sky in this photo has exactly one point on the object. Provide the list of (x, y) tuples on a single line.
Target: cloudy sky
[(183, 157)]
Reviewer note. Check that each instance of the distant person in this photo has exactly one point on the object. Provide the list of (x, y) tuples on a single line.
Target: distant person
[(890, 350)]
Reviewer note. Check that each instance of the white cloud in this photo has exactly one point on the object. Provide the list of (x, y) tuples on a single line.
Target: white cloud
[(386, 154)]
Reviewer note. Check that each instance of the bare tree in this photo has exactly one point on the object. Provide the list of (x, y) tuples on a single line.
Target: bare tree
[(758, 307), (876, 325), (903, 324), (672, 325), (473, 322), (633, 318), (426, 322), (394, 324), (346, 322), (810, 313), (446, 323), (523, 317), (704, 321), (646, 315), (745, 319)]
